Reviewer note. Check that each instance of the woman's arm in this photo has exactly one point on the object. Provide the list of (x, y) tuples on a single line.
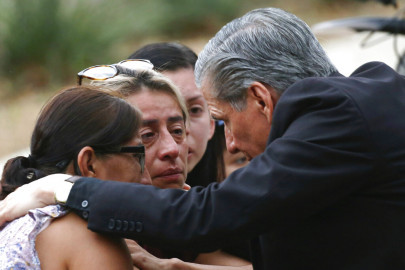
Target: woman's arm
[(68, 244), (146, 261), (220, 258)]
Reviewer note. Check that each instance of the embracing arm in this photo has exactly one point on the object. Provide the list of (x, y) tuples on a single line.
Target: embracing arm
[(37, 194), (209, 261), (220, 258), (316, 156)]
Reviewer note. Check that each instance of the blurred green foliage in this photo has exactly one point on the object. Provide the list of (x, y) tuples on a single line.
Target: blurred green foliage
[(45, 42), (49, 41), (179, 18)]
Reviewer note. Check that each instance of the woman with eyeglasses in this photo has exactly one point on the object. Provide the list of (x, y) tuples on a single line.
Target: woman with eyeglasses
[(80, 131), (164, 116), (163, 132)]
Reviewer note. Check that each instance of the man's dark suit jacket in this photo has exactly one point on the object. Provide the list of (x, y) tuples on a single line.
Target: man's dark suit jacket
[(327, 193)]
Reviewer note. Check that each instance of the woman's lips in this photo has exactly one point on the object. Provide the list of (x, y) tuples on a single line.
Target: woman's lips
[(170, 175)]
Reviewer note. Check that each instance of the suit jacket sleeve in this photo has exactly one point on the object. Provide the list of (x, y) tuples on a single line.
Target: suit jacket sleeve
[(320, 151)]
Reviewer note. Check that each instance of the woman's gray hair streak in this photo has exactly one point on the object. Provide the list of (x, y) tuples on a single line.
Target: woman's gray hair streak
[(267, 45), (130, 82)]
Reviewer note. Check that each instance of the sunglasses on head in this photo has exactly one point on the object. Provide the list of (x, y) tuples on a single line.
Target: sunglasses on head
[(104, 72)]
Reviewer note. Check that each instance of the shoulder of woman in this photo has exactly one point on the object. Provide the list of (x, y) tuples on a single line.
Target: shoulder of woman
[(68, 241)]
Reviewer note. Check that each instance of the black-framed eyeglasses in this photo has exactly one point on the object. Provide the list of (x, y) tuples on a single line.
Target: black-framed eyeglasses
[(104, 72), (138, 152)]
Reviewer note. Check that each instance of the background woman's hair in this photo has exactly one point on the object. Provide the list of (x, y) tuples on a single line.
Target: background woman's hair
[(167, 56), (74, 118)]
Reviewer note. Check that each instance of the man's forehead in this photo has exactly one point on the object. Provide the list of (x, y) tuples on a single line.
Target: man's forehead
[(218, 109), (206, 88)]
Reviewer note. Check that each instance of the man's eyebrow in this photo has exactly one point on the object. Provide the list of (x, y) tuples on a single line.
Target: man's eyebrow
[(215, 114)]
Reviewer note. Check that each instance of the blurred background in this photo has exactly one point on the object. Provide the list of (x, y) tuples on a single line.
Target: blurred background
[(44, 43)]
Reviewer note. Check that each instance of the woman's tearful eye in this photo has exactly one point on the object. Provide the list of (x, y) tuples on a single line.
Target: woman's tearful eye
[(178, 133), (148, 137)]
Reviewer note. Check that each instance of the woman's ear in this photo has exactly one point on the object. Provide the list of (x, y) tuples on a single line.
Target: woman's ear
[(85, 160)]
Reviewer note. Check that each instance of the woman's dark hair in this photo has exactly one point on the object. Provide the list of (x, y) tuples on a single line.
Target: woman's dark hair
[(167, 56), (74, 118)]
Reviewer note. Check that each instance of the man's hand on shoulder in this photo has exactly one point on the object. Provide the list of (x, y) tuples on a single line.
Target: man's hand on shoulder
[(36, 194)]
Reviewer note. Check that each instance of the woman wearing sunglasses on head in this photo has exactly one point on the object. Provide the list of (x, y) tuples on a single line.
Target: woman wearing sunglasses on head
[(163, 131), (80, 131), (177, 62)]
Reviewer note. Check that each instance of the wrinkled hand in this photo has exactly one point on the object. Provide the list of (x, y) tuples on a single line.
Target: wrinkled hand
[(38, 193), (146, 261)]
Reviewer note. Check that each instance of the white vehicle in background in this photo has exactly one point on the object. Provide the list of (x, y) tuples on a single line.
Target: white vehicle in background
[(351, 42)]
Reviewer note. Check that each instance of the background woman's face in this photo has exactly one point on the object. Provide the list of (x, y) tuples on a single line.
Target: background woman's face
[(201, 126), (163, 133), (233, 162)]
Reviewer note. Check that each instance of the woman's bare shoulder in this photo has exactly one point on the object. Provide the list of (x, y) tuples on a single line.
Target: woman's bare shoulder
[(67, 243)]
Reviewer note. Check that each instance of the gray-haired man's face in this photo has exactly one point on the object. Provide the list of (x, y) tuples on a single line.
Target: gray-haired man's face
[(245, 131)]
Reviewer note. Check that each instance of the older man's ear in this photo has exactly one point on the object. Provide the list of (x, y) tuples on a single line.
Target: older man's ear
[(265, 98)]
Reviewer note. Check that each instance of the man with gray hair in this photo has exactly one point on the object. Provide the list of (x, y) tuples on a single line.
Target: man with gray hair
[(325, 188)]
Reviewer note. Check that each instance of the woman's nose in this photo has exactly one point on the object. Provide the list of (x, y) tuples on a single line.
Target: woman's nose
[(169, 148)]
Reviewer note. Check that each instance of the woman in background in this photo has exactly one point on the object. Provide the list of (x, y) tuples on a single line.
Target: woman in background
[(177, 62), (231, 162)]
